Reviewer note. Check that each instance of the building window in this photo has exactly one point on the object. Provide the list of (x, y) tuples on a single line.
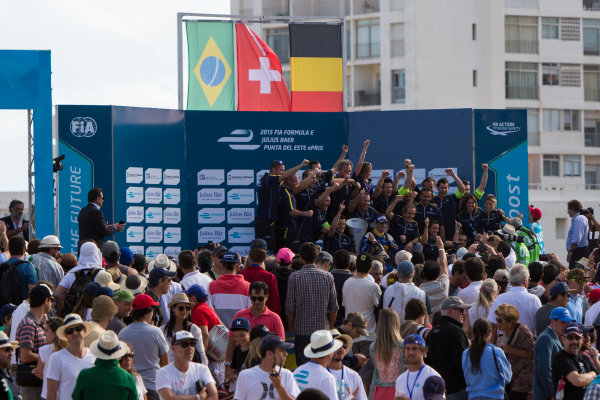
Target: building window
[(591, 82), (397, 5), (570, 29), (397, 40), (550, 28), (591, 130), (552, 120), (592, 176), (570, 75), (474, 31), (591, 5), (521, 3), (367, 38), (561, 228), (474, 78), (571, 120), (521, 34), (398, 86), (533, 127), (521, 80), (278, 40), (591, 37), (572, 165), (550, 74), (551, 165)]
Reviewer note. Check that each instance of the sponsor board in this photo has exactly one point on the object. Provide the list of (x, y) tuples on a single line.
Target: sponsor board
[(438, 173), (240, 234), (135, 234), (134, 194), (134, 175), (211, 177), (241, 250), (153, 251), (215, 234), (154, 215), (153, 176), (240, 216), (172, 251), (137, 249), (153, 195), (211, 215), (172, 215), (240, 177), (172, 235), (172, 196), (211, 196), (240, 196), (135, 215), (154, 234), (171, 177)]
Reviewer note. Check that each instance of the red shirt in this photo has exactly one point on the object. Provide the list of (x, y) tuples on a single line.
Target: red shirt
[(255, 272), (267, 318), (202, 314)]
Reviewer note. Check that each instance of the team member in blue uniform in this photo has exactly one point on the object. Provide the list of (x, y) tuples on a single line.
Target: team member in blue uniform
[(379, 235), (479, 191), (491, 218), (347, 191), (448, 204), (426, 209), (268, 199), (311, 229), (362, 171), (360, 207), (404, 228), (469, 217), (326, 176), (286, 228), (385, 191), (336, 237)]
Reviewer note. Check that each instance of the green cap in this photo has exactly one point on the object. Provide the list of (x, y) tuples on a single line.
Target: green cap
[(326, 225), (123, 295)]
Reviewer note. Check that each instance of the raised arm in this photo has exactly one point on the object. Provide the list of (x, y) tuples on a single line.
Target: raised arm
[(361, 159), (384, 174), (327, 193), (484, 177), (341, 158), (459, 183), (354, 201), (303, 184), (425, 236), (406, 187), (442, 259), (293, 170), (336, 220), (389, 212)]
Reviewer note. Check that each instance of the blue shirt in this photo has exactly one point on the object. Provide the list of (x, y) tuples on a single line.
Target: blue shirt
[(490, 381), (536, 227), (578, 232), (546, 347), (575, 307)]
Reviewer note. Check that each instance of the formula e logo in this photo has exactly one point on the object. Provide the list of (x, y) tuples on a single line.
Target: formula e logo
[(83, 127), (502, 128), (240, 136)]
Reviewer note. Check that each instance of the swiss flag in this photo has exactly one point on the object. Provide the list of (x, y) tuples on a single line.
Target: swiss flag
[(261, 86)]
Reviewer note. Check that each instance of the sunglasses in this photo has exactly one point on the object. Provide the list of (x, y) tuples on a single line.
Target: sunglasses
[(184, 345), (257, 298), (78, 328), (499, 320), (184, 308), (128, 355), (573, 337), (460, 310)]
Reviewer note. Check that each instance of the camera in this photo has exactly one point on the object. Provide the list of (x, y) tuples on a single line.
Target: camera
[(586, 211), (511, 238), (544, 257)]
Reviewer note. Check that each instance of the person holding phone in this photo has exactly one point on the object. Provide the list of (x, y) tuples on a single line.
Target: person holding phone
[(91, 220)]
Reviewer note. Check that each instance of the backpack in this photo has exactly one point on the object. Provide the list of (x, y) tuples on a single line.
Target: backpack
[(10, 283), (82, 278)]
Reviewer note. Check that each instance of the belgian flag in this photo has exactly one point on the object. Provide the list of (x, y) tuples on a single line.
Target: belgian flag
[(317, 68)]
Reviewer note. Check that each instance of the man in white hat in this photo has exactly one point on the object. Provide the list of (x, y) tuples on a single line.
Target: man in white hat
[(182, 376), (106, 380), (45, 261), (64, 365), (314, 374), (8, 387)]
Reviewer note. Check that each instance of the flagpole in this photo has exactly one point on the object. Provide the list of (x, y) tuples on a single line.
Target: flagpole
[(179, 62), (344, 58), (235, 70)]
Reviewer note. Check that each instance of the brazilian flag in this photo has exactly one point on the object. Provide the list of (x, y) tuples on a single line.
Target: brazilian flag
[(210, 64)]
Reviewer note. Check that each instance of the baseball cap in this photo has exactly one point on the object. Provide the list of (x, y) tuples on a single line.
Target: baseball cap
[(460, 253), (323, 255), (126, 257), (577, 274), (364, 259), (157, 273), (110, 247), (559, 288), (197, 291), (434, 388), (259, 331), (39, 293), (92, 288), (501, 275), (6, 309), (536, 213), (359, 321), (258, 244), (594, 295), (561, 314), (414, 339), (285, 255), (181, 336), (143, 301), (123, 295), (219, 249), (240, 323), (573, 329), (406, 267), (454, 302), (230, 257), (381, 219), (271, 342)]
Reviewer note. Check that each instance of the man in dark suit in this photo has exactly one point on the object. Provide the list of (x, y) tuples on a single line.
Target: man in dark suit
[(91, 220), (15, 224)]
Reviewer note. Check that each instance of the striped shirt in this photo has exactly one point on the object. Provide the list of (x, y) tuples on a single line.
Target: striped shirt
[(229, 294), (30, 333)]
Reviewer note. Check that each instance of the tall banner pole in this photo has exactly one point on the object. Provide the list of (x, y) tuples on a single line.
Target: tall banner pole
[(179, 61), (344, 60)]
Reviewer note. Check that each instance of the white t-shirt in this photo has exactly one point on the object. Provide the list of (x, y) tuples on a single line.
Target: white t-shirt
[(347, 383), (195, 278), (591, 314), (415, 383), (313, 376), (64, 367), (254, 383), (362, 296), (45, 352), (69, 278), (476, 312), (470, 294), (526, 304), (17, 316), (183, 382), (139, 385)]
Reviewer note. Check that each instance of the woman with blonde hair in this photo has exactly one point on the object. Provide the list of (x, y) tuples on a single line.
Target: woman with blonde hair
[(518, 344), (487, 294), (387, 354)]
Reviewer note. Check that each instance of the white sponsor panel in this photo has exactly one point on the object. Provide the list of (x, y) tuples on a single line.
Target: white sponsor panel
[(135, 234), (153, 176), (171, 177), (438, 173), (134, 175), (376, 174), (419, 174), (137, 249), (172, 251), (241, 250), (211, 177), (153, 195), (239, 234), (135, 215), (240, 196), (211, 196), (172, 215), (153, 251), (211, 215), (154, 215), (154, 234), (240, 177), (240, 216), (172, 196), (172, 235), (134, 194), (213, 233)]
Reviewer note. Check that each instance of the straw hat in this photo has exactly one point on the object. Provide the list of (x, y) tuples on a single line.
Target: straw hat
[(179, 298), (108, 346), (321, 344), (73, 320), (105, 279), (135, 284), (5, 342), (163, 261)]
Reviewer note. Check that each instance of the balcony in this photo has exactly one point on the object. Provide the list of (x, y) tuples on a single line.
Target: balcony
[(591, 5), (592, 139), (367, 50), (591, 94), (363, 98), (397, 48), (365, 6), (522, 46), (522, 92)]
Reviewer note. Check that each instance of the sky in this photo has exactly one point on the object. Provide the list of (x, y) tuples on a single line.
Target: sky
[(120, 52)]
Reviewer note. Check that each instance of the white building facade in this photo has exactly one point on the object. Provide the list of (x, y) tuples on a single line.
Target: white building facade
[(539, 55)]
